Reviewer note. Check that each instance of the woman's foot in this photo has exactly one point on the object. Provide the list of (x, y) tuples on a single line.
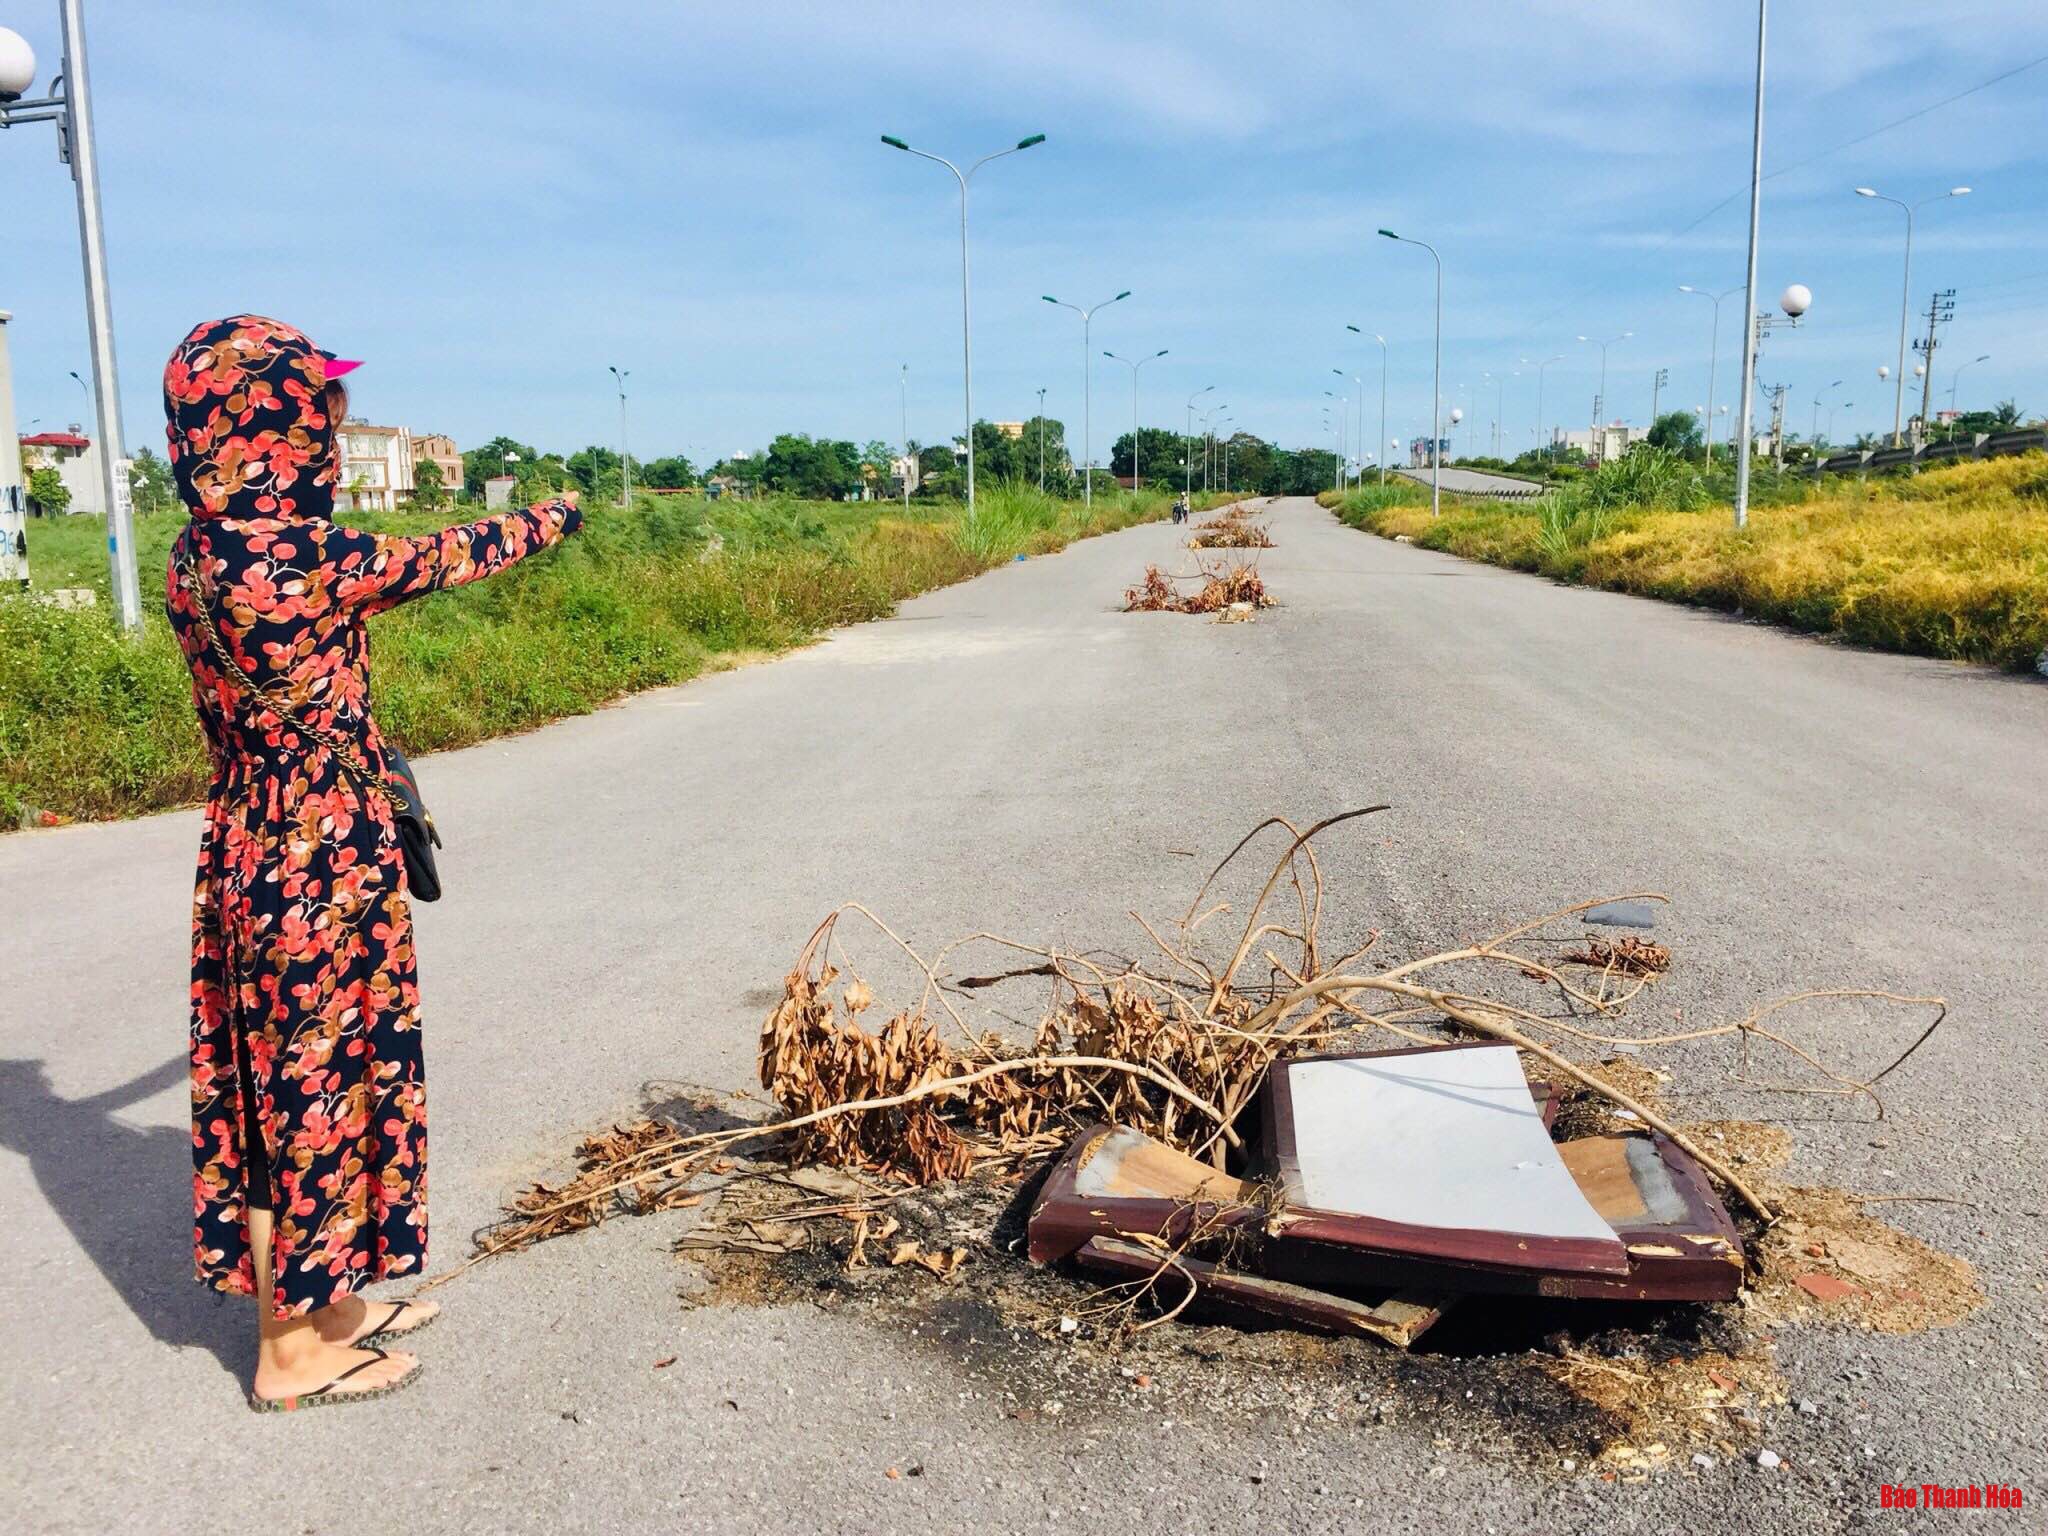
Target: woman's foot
[(313, 1368), (355, 1320)]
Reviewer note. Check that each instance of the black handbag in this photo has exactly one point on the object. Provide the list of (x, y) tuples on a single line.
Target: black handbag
[(400, 787)]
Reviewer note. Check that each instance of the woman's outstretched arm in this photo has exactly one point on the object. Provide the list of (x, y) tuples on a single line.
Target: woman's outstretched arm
[(375, 571)]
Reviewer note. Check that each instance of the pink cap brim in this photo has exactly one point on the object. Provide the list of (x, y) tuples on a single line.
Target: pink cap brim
[(337, 366)]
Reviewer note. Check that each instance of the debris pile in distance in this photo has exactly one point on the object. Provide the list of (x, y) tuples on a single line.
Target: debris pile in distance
[(1232, 528)]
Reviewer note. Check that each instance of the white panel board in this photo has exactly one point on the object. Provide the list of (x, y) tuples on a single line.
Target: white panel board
[(1434, 1139)]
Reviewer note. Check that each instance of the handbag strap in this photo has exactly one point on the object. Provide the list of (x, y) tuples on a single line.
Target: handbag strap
[(344, 750)]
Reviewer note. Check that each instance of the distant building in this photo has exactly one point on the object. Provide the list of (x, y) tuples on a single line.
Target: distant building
[(1418, 452), (376, 467), (1603, 443), (434, 447), (70, 454), (1010, 429), (904, 475)]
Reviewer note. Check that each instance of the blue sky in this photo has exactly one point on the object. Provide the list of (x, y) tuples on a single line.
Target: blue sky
[(493, 202)]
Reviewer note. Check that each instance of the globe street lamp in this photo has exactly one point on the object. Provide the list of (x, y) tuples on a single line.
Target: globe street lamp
[(966, 319), (1134, 367), (70, 108), (1906, 291), (1437, 390), (1087, 396)]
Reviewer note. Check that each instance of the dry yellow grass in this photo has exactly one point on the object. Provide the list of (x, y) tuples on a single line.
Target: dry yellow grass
[(1952, 562)]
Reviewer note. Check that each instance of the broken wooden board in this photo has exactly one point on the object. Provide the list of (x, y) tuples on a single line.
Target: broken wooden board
[(1398, 1320), (1114, 1179)]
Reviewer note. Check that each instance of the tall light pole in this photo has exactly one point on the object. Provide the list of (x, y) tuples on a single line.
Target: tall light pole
[(1208, 417), (625, 464), (1436, 405), (1906, 293), (1187, 464), (1087, 395), (1713, 353), (903, 403), (1383, 397), (1358, 397), (1955, 379), (1539, 367), (1814, 436), (1599, 436), (966, 311), (70, 108), (1134, 367), (1749, 310), (1041, 442)]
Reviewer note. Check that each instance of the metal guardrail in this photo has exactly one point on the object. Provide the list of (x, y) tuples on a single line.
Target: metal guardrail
[(1979, 445)]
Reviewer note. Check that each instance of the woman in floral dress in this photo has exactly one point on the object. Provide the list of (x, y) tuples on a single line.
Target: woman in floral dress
[(309, 1124)]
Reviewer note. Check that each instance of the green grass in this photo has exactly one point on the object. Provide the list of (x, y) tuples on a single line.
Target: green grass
[(97, 725), (1950, 562)]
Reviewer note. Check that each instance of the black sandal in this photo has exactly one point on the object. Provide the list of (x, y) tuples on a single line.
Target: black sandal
[(321, 1396), (384, 1330)]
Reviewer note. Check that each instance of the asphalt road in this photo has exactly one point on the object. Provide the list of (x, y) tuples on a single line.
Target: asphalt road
[(1475, 482), (626, 891)]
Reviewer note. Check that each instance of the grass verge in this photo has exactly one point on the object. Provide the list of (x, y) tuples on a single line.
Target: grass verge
[(94, 725), (1951, 562)]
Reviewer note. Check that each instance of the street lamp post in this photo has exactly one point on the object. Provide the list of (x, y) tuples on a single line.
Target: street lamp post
[(1436, 404), (1187, 463), (966, 314), (1041, 442), (1539, 367), (1814, 435), (1749, 310), (1208, 439), (1713, 353), (1087, 395), (1383, 397), (1599, 436), (1955, 379), (903, 422), (1134, 367), (625, 464), (1906, 294), (70, 108)]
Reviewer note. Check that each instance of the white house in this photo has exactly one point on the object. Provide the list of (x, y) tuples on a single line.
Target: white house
[(70, 454)]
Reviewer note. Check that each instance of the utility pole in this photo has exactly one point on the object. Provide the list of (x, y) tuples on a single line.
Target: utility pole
[(1941, 309), (1657, 383), (13, 490), (903, 401), (1778, 426)]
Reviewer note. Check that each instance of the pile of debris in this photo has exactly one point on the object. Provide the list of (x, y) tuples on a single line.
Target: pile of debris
[(1224, 589), (1232, 528), (1228, 1120)]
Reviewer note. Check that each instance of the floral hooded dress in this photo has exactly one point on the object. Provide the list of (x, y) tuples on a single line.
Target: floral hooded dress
[(306, 1068)]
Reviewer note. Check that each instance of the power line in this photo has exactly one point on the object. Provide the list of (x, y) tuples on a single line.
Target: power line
[(1786, 170)]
